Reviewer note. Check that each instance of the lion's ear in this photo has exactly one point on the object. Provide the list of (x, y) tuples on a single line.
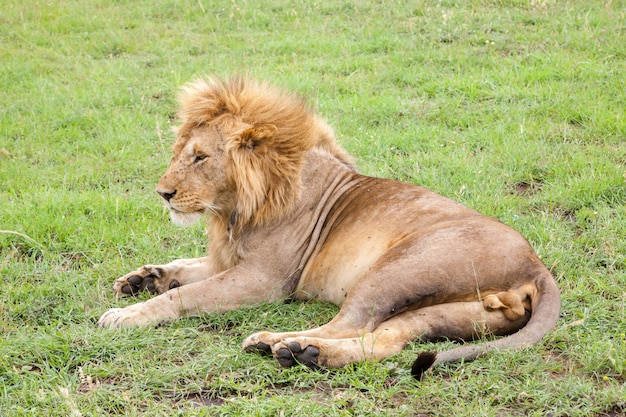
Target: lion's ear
[(257, 135)]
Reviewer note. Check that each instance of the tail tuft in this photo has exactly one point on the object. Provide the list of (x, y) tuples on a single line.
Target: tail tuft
[(424, 361)]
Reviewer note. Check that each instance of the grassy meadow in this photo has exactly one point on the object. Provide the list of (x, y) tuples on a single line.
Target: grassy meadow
[(516, 108)]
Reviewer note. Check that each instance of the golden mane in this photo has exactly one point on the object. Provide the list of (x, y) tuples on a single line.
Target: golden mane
[(267, 133)]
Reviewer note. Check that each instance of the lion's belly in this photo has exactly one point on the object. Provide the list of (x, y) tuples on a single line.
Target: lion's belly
[(331, 274)]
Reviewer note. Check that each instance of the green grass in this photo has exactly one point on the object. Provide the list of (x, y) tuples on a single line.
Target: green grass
[(516, 108)]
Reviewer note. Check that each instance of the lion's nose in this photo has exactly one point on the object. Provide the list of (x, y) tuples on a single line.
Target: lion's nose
[(167, 195)]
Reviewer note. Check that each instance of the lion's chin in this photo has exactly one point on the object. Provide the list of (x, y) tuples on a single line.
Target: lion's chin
[(184, 219)]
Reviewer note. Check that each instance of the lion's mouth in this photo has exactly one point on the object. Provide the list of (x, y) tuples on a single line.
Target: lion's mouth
[(184, 218), (174, 211), (184, 212), (171, 207)]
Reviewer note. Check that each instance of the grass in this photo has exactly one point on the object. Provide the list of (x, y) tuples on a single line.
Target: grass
[(514, 107)]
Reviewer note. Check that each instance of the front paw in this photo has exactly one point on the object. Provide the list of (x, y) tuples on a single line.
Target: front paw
[(135, 315), (147, 278)]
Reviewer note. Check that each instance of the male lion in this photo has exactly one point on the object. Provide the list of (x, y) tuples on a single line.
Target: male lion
[(289, 216)]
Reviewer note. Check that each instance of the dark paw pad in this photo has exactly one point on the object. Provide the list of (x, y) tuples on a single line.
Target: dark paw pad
[(295, 347), (136, 284), (148, 284), (135, 280), (130, 290), (309, 357), (285, 358), (295, 354), (262, 348)]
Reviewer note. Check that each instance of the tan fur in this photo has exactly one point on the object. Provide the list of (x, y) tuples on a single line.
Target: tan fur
[(288, 215)]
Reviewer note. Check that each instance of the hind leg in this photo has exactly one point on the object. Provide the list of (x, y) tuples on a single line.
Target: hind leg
[(325, 347)]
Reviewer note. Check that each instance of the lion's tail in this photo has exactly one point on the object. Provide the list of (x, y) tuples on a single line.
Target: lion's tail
[(545, 313)]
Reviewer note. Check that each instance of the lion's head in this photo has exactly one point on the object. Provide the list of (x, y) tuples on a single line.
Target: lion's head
[(239, 151)]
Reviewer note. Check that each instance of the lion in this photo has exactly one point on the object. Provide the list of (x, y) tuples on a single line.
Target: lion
[(289, 216)]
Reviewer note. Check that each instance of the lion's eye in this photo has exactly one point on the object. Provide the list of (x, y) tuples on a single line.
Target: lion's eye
[(199, 158)]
